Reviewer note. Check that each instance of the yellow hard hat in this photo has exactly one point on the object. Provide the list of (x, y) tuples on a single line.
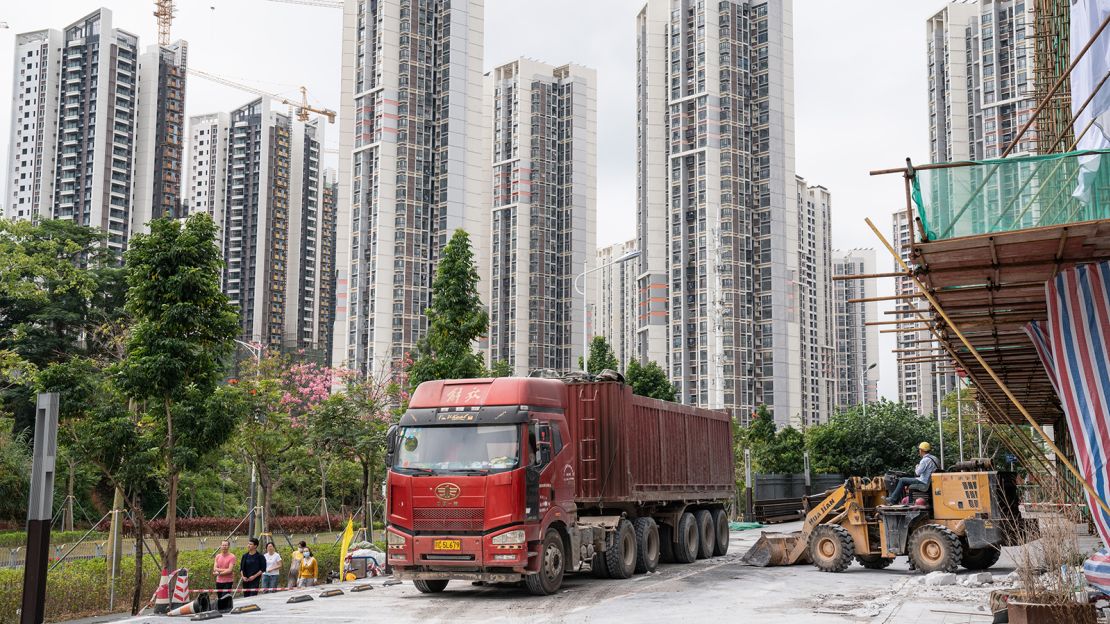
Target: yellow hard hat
[(925, 446)]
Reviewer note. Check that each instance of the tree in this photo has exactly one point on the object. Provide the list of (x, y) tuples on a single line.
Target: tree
[(601, 356), (181, 334), (886, 439), (456, 319), (501, 368), (785, 453), (649, 380)]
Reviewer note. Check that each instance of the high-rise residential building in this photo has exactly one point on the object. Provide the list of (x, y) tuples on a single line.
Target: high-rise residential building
[(414, 158), (97, 128), (857, 344), (816, 327), (921, 384), (257, 171), (327, 273), (543, 217), (716, 123), (616, 300), (981, 86)]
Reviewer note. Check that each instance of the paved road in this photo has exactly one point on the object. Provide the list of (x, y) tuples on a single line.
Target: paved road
[(719, 589)]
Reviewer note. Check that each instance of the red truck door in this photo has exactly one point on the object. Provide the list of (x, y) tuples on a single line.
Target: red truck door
[(556, 454)]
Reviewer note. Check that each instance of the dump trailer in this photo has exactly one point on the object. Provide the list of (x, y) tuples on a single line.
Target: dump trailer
[(527, 479), (961, 518)]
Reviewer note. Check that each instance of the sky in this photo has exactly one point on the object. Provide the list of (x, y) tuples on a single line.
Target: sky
[(859, 87)]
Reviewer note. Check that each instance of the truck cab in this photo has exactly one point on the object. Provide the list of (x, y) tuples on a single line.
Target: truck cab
[(480, 469)]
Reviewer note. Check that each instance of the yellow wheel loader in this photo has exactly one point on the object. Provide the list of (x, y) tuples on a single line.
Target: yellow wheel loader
[(962, 518)]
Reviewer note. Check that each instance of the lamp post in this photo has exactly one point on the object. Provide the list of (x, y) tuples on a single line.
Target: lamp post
[(863, 389), (256, 351), (635, 253)]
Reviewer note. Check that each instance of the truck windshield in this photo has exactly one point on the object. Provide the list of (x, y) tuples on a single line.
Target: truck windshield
[(458, 449)]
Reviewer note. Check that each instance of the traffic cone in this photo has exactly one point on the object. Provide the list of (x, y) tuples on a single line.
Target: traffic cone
[(180, 589), (200, 605), (162, 595), (224, 603)]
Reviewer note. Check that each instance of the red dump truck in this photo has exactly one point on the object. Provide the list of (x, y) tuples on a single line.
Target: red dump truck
[(511, 479)]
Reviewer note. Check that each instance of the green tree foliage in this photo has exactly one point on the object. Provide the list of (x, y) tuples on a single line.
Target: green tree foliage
[(15, 470), (456, 319), (772, 452), (601, 356), (181, 334), (649, 380), (886, 439), (59, 286), (501, 368)]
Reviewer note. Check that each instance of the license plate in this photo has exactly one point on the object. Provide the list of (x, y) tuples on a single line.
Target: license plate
[(447, 545)]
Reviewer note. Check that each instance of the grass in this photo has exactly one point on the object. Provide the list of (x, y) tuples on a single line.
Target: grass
[(80, 589)]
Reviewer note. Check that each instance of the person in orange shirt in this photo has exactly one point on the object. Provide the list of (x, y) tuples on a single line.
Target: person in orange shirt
[(222, 569), (308, 570)]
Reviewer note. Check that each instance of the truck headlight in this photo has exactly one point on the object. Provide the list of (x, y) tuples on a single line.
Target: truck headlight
[(394, 540), (512, 537)]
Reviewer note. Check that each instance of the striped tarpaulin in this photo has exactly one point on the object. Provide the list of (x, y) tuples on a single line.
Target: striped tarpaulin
[(1074, 345)]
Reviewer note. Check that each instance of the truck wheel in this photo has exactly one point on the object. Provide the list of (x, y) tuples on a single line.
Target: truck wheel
[(979, 558), (831, 548), (552, 566), (430, 587), (686, 550), (720, 523), (933, 548), (666, 544), (620, 558), (707, 534), (874, 562), (647, 545)]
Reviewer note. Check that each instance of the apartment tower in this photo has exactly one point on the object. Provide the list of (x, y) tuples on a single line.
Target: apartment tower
[(816, 327), (414, 167), (716, 125), (857, 344), (543, 218), (97, 128), (617, 298)]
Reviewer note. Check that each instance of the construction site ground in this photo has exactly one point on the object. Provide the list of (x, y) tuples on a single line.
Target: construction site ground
[(721, 589)]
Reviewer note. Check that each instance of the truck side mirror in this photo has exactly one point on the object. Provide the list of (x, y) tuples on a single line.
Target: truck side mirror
[(391, 443)]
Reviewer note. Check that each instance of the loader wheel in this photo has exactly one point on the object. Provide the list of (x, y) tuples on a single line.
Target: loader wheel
[(874, 562), (552, 566), (686, 550), (647, 545), (979, 558), (933, 548), (430, 587), (620, 558), (666, 544), (831, 548), (720, 522), (707, 534)]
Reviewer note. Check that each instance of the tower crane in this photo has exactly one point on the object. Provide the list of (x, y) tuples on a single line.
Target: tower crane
[(327, 4), (163, 10), (302, 108)]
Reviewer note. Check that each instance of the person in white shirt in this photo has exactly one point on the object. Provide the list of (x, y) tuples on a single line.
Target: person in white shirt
[(273, 568)]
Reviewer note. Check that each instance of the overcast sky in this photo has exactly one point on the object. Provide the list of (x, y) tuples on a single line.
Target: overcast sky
[(859, 85)]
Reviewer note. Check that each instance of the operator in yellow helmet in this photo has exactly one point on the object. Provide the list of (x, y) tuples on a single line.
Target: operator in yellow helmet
[(924, 471)]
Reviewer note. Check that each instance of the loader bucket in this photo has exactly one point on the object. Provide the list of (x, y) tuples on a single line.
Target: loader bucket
[(773, 549)]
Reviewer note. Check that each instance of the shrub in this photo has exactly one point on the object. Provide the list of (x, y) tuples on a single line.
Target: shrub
[(211, 525)]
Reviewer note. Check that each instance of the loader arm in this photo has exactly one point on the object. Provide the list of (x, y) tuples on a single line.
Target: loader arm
[(816, 517), (778, 549)]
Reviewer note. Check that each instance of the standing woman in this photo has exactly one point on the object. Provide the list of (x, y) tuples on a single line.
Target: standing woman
[(273, 568), (308, 569), (222, 568)]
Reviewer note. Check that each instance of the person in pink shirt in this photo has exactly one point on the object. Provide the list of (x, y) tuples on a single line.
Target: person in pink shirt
[(222, 569)]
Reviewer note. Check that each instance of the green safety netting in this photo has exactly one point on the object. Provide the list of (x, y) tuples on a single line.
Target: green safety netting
[(1013, 193)]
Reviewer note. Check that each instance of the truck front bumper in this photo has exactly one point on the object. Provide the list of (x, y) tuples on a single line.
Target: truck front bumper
[(415, 574)]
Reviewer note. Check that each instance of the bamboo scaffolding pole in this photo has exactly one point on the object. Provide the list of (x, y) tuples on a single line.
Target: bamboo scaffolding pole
[(983, 363), (845, 278), (883, 298)]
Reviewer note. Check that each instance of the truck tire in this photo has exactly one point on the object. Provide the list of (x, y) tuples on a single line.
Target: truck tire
[(430, 587), (979, 558), (686, 549), (707, 533), (720, 523), (666, 544), (874, 562), (552, 566), (647, 545), (620, 558), (831, 548), (933, 548)]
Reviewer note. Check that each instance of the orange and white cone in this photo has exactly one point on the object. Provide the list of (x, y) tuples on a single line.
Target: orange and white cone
[(200, 605), (181, 588), (162, 595)]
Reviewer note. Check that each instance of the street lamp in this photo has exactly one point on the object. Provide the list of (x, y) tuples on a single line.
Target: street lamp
[(863, 389), (635, 253), (256, 351)]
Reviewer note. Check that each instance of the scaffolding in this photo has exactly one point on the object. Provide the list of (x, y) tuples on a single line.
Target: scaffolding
[(1052, 54)]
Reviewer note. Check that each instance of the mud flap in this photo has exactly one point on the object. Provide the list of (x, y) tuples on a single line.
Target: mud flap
[(982, 533), (896, 524)]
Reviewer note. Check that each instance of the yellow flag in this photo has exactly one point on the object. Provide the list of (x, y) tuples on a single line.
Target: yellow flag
[(348, 534)]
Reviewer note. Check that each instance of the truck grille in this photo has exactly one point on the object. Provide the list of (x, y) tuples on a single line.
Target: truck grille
[(448, 518)]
